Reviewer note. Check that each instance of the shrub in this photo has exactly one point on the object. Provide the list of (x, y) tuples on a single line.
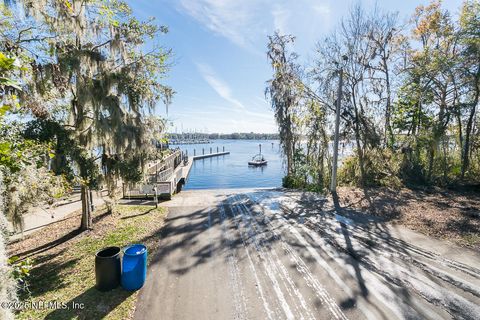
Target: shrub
[(381, 169), (293, 182), (300, 182), (21, 272)]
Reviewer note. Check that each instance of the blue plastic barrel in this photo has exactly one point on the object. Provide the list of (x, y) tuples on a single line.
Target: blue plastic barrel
[(134, 267)]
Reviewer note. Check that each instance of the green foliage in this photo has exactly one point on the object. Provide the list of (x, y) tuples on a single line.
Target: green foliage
[(16, 152), (21, 272), (79, 70), (305, 176), (8, 85), (382, 168), (54, 134), (412, 170), (118, 98), (129, 168), (408, 115), (6, 64), (293, 182), (89, 171), (402, 167), (299, 182)]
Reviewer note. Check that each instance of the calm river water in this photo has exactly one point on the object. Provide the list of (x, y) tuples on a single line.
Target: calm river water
[(232, 171)]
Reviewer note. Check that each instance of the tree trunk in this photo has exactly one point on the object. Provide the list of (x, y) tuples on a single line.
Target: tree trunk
[(289, 157), (431, 157), (468, 133), (438, 133), (389, 142), (289, 146), (86, 213), (358, 138), (460, 133)]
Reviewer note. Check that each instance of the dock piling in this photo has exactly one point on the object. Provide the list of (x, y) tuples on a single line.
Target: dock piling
[(210, 155)]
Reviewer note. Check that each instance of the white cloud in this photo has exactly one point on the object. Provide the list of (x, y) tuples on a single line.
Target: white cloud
[(280, 18), (224, 91), (322, 9), (324, 12), (217, 84), (246, 23), (232, 19)]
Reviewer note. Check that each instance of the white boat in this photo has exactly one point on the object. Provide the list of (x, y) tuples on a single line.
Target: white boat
[(258, 159)]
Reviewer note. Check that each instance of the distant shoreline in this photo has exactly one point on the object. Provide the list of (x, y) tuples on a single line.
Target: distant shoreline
[(223, 136)]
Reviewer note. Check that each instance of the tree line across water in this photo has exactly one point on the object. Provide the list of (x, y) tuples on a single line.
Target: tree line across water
[(409, 104), (228, 136)]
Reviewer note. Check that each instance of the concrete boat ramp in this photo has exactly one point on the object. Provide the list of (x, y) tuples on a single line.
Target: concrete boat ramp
[(275, 254)]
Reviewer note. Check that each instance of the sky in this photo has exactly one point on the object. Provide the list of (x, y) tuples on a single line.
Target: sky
[(219, 64)]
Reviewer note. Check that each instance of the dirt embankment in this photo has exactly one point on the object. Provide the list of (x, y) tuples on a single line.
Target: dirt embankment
[(445, 214)]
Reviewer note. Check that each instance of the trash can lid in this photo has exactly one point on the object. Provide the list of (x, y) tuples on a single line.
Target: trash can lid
[(134, 250), (108, 252)]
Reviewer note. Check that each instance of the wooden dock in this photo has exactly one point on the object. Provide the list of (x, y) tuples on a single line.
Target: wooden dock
[(167, 176), (186, 170), (210, 155)]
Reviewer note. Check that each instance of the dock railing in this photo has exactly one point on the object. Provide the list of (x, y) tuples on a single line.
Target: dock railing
[(163, 175), (171, 161), (168, 174), (160, 174)]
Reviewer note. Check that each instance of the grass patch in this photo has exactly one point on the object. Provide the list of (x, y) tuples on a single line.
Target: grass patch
[(65, 274), (471, 239)]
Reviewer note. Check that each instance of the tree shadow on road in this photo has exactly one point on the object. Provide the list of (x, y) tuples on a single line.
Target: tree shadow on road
[(193, 236), (376, 232)]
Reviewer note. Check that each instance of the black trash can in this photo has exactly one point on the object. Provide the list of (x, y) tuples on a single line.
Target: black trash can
[(107, 268)]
